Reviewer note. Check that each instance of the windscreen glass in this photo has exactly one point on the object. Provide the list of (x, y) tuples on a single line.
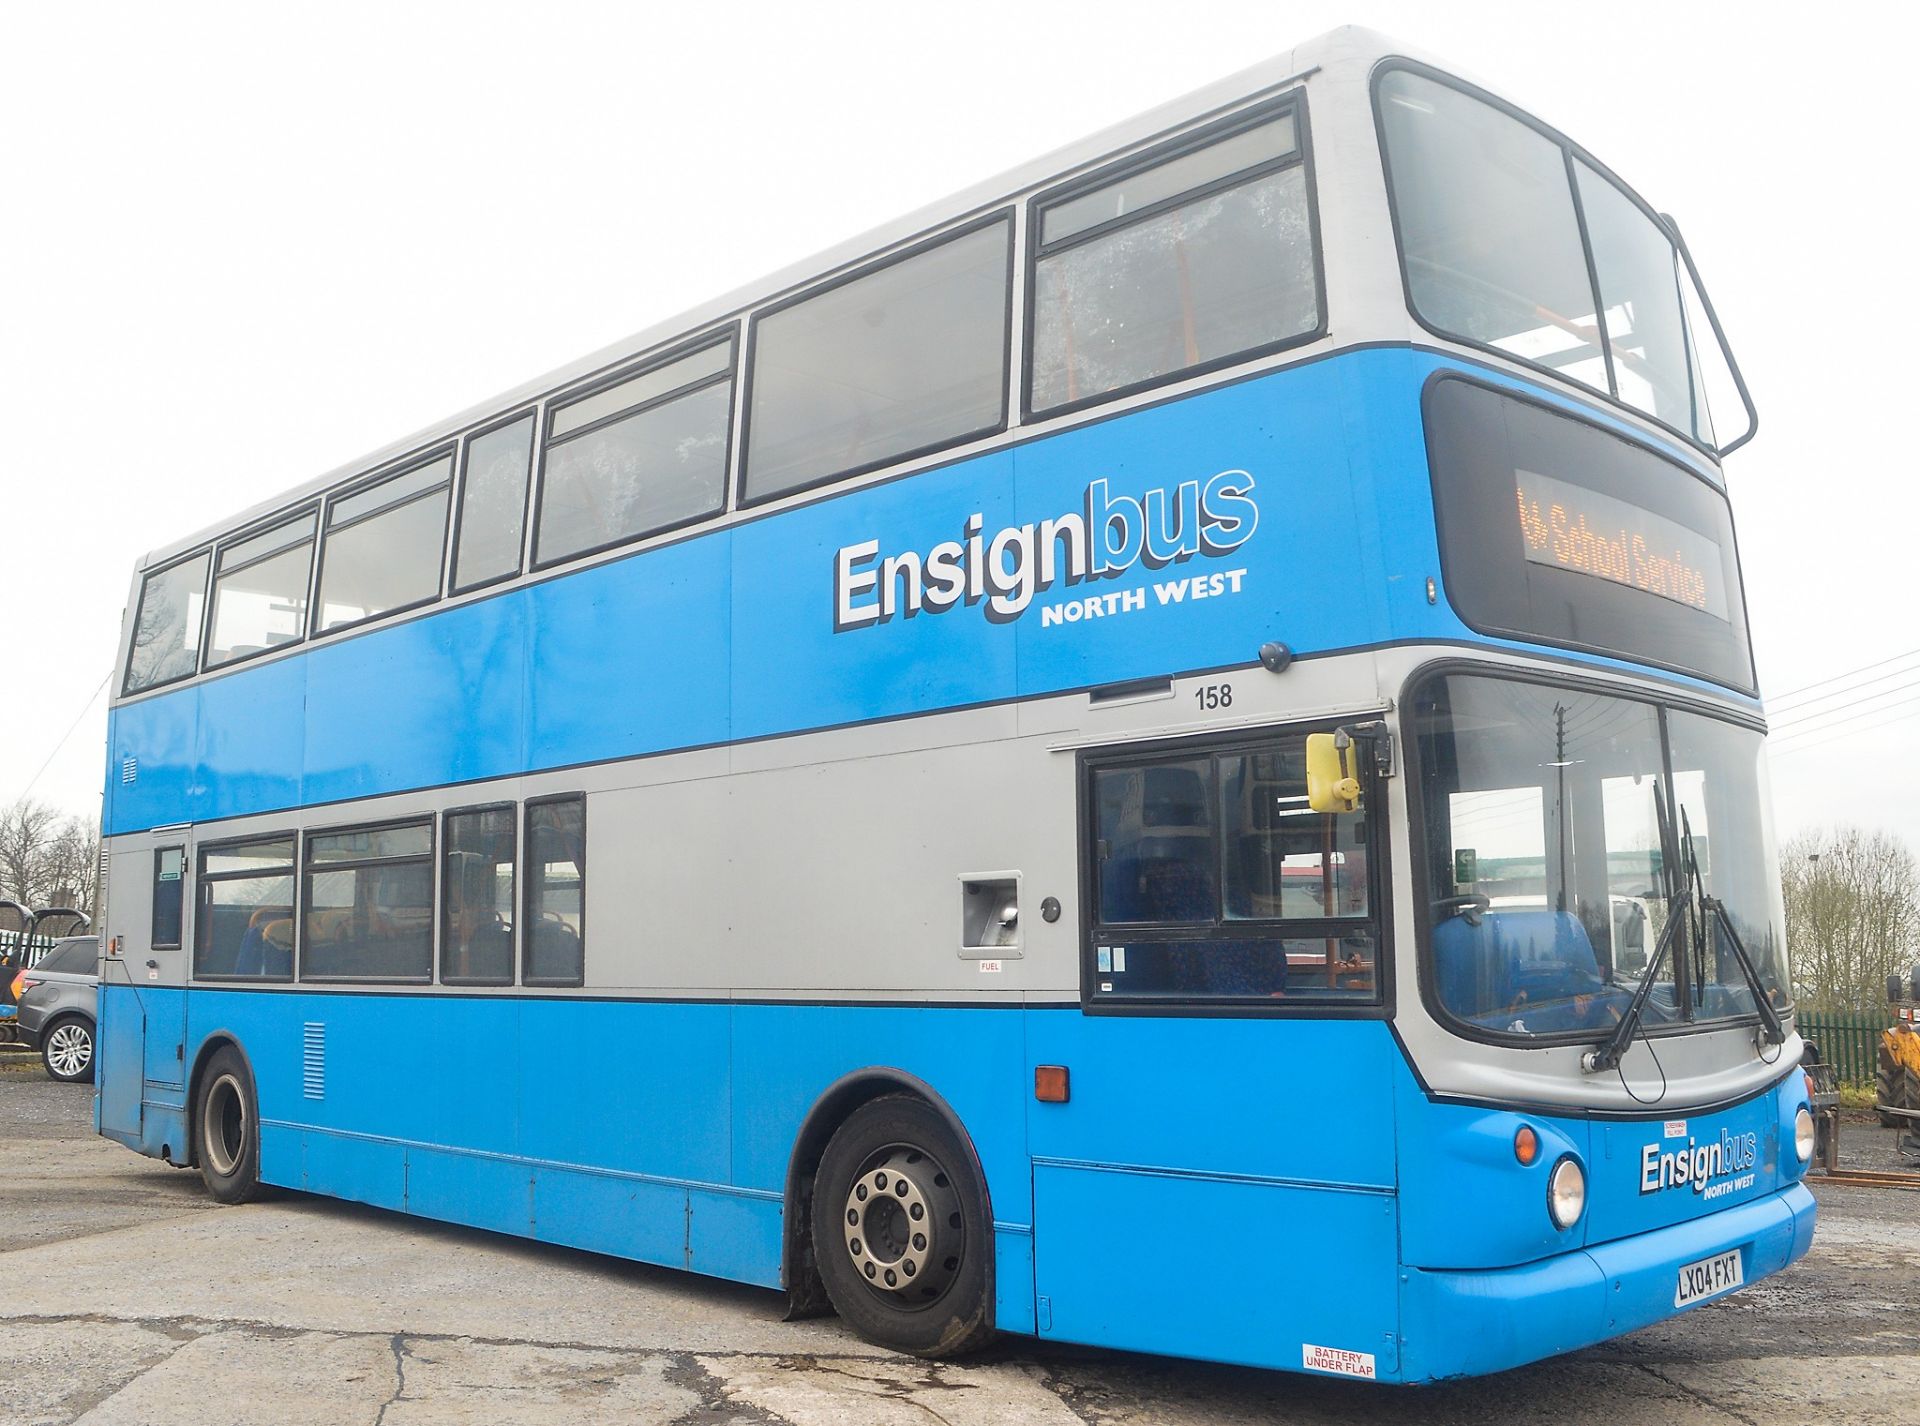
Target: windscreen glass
[(1561, 827), (1510, 240), (1555, 530)]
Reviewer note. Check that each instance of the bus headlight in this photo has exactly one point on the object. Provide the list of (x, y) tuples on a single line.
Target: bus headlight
[(1803, 1134), (1566, 1193)]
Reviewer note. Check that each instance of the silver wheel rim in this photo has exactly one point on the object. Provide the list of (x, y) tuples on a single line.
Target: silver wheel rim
[(69, 1050), (225, 1130), (902, 1226)]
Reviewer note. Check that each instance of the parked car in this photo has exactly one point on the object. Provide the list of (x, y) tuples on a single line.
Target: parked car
[(58, 1007)]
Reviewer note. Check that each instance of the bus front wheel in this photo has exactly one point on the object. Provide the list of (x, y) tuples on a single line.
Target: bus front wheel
[(228, 1125), (900, 1230)]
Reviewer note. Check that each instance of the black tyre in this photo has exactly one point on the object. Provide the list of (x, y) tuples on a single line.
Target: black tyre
[(901, 1232), (226, 1126), (66, 1049)]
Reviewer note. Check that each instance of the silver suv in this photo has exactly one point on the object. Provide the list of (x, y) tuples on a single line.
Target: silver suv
[(58, 1000)]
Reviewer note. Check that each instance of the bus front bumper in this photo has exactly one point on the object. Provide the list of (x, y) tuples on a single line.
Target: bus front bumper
[(1470, 1323)]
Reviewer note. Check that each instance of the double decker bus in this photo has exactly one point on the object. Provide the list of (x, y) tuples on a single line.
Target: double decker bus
[(1162, 754)]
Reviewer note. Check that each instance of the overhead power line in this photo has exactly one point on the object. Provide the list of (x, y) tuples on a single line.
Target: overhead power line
[(1817, 729), (79, 717), (1796, 706), (1789, 693), (1889, 716), (1807, 721)]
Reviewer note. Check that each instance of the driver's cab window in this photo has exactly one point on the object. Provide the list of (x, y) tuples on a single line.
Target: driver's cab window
[(1214, 880)]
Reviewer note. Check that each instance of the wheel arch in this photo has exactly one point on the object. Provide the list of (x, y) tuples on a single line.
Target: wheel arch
[(806, 1294), (215, 1041)]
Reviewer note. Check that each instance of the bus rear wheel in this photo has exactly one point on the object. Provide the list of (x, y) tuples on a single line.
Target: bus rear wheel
[(227, 1125), (900, 1230)]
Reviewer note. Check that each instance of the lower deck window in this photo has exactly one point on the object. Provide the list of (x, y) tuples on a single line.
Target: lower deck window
[(556, 915), (1213, 880), (368, 897), (244, 929), (477, 939)]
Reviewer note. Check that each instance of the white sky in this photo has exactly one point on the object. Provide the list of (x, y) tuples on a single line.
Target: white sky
[(241, 245)]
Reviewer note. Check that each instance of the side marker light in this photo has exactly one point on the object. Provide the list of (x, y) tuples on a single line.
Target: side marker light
[(1526, 1144), (1050, 1084)]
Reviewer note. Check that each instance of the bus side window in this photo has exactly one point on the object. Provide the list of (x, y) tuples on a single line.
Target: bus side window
[(555, 938), (493, 505), (1177, 264), (476, 944), (169, 884)]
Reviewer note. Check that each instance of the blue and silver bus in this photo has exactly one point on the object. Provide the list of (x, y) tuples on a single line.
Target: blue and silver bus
[(1163, 754)]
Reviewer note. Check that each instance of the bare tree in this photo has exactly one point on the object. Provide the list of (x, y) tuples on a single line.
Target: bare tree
[(47, 859), (1853, 915)]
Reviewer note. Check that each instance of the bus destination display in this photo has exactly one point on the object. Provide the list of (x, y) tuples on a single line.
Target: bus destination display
[(1568, 527)]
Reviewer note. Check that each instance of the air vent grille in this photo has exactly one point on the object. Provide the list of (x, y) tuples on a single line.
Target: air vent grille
[(313, 1060)]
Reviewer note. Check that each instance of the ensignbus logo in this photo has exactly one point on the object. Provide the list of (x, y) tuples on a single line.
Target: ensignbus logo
[(1697, 1166), (1105, 538)]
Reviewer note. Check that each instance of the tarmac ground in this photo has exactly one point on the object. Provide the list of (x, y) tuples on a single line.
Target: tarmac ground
[(130, 1297)]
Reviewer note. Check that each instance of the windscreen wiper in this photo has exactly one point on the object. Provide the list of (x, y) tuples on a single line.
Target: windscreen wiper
[(1610, 1050), (1772, 1030)]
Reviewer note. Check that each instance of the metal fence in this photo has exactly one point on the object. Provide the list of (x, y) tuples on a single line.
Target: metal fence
[(1850, 1043), (36, 947)]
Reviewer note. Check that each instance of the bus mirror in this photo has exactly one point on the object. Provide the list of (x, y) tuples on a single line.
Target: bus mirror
[(1331, 784)]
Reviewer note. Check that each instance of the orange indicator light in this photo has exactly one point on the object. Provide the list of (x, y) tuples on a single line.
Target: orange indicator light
[(1050, 1084), (1526, 1144)]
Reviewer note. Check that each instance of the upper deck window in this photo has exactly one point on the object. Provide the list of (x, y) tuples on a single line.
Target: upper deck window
[(493, 505), (383, 546), (260, 590), (1513, 241), (166, 629), (896, 362), (1176, 264), (641, 456)]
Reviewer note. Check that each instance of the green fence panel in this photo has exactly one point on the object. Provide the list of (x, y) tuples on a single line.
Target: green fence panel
[(1850, 1043)]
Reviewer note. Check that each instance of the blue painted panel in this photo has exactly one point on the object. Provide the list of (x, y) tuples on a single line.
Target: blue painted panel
[(466, 1188), (1013, 1282), (1213, 1269), (791, 670), (283, 1154), (732, 1236), (161, 736), (249, 755), (1288, 439), (632, 656), (1741, 1148), (1299, 1100), (639, 1088), (164, 1058), (365, 1171), (122, 1038), (1467, 1202), (643, 1221), (1468, 1323), (437, 700)]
